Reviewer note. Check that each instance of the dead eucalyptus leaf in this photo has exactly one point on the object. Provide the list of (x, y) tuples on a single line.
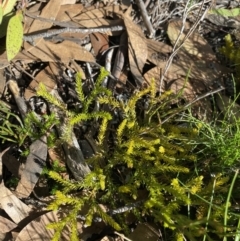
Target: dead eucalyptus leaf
[(12, 164), (6, 225), (174, 72), (36, 229), (217, 19), (203, 69), (23, 55), (97, 13), (157, 51), (197, 52), (187, 89), (144, 232), (68, 12), (49, 11), (121, 58), (2, 81), (47, 51), (16, 209), (33, 167), (68, 2), (137, 49), (45, 77), (176, 80), (194, 45), (100, 43), (199, 69)]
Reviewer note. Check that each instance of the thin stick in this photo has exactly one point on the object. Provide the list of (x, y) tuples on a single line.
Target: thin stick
[(175, 48), (122, 236), (195, 100), (145, 17), (31, 37)]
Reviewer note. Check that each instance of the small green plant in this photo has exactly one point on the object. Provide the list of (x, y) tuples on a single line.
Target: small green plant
[(13, 129), (155, 169), (220, 140), (12, 182), (146, 165), (55, 167), (232, 54), (71, 117)]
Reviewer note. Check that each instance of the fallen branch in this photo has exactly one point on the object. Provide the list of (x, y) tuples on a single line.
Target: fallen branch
[(146, 19), (31, 37)]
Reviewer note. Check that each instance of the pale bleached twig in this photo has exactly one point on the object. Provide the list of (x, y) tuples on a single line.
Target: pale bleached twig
[(145, 17), (192, 102), (176, 46), (31, 37), (122, 236)]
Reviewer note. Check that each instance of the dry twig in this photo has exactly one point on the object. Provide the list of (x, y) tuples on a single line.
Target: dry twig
[(145, 17)]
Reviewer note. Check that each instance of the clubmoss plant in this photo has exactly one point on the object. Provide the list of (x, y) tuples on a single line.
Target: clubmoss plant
[(140, 164), (141, 167)]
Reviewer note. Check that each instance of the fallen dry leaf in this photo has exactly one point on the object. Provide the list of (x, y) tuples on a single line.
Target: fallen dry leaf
[(36, 230), (144, 232), (194, 45), (175, 79), (68, 12), (12, 164), (137, 49), (47, 51), (202, 71), (157, 50), (93, 13), (121, 57), (68, 2), (45, 77), (196, 52), (2, 81), (100, 43), (6, 225), (16, 209), (23, 55), (33, 167), (50, 11), (33, 9)]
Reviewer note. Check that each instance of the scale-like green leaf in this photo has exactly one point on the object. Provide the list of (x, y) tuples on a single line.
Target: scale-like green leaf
[(8, 6), (14, 36), (4, 24), (1, 13)]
